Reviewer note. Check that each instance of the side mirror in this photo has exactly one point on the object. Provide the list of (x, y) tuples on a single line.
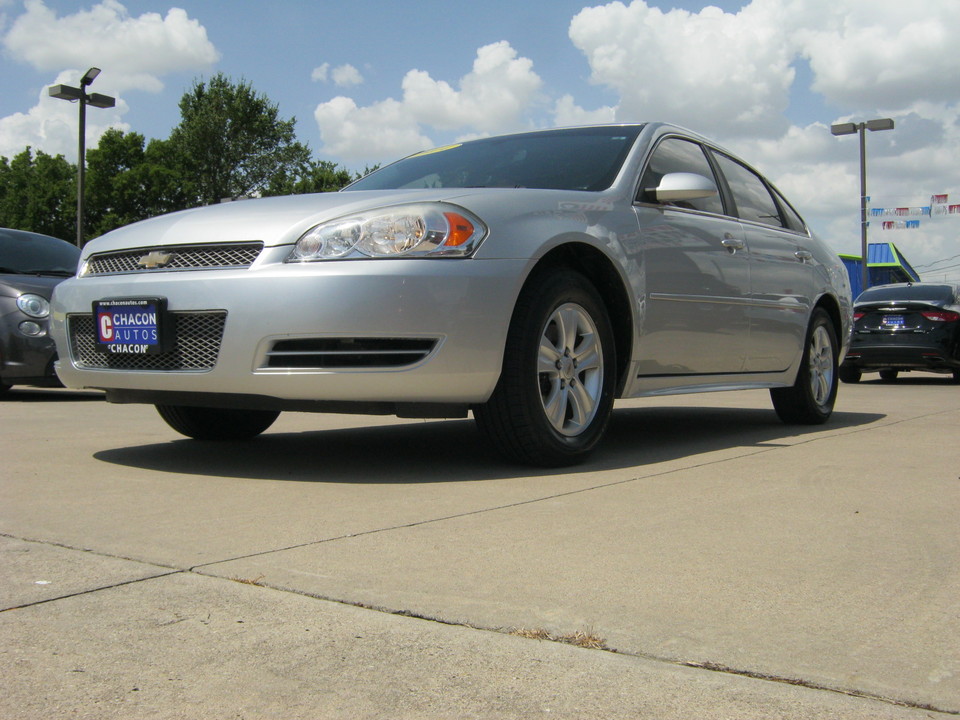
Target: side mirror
[(683, 186)]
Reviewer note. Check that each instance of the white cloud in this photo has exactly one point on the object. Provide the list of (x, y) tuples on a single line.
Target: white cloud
[(132, 51), (320, 73), (885, 52), (342, 75), (566, 112), (729, 72), (382, 130), (494, 96), (346, 75)]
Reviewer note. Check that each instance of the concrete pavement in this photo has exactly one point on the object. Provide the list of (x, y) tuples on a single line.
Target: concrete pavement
[(715, 562)]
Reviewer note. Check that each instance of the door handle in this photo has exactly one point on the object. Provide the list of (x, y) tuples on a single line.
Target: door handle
[(732, 242), (803, 255)]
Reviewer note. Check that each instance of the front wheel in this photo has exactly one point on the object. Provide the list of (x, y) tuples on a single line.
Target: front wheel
[(810, 400), (553, 401), (202, 423)]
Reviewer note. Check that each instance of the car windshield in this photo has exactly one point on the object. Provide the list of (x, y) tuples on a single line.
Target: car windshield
[(32, 254), (923, 293), (572, 159)]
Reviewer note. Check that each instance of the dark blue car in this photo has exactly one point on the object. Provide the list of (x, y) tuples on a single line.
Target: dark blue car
[(903, 327)]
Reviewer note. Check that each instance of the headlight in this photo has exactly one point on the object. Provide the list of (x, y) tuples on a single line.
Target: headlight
[(424, 230), (36, 306)]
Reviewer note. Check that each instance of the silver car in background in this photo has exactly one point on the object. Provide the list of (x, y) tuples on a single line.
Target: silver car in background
[(531, 279)]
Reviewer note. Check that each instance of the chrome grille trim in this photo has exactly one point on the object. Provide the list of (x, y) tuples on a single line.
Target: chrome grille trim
[(181, 257), (198, 337), (347, 353)]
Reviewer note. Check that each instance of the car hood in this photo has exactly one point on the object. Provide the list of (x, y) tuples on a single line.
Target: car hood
[(272, 221), (16, 285)]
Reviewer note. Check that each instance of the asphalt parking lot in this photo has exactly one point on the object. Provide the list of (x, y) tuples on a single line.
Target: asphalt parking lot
[(708, 562)]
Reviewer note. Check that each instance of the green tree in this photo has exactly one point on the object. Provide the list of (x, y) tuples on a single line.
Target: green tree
[(115, 195), (127, 181), (231, 142), (318, 176), (38, 193)]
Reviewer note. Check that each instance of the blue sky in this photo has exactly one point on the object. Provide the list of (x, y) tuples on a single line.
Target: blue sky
[(369, 81)]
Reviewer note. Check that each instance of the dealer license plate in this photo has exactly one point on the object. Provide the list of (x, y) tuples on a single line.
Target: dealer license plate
[(132, 326), (893, 321)]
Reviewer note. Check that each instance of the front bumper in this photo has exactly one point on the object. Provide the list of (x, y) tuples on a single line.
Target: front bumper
[(902, 353), (278, 321), (26, 360)]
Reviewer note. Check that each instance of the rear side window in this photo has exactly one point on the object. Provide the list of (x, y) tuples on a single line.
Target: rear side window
[(793, 221), (753, 199), (676, 155)]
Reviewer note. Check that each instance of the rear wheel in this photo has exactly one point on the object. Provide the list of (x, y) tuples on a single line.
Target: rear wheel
[(201, 423), (850, 374), (889, 375), (553, 401), (811, 399)]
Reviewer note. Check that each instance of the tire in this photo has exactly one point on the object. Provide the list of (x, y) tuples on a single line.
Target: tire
[(956, 377), (554, 398), (889, 375), (202, 423), (850, 374), (810, 400), (4, 388)]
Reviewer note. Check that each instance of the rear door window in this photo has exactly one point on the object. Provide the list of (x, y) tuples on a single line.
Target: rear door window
[(751, 195)]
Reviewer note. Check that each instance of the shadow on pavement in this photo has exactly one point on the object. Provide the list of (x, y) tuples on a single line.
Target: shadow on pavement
[(32, 395), (453, 450)]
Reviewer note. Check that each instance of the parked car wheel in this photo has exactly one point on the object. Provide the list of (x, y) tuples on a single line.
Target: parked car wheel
[(555, 394), (850, 374), (203, 423), (811, 399), (889, 375)]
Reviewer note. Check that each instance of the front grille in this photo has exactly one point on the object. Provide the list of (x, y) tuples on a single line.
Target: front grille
[(198, 337), (174, 257), (344, 353)]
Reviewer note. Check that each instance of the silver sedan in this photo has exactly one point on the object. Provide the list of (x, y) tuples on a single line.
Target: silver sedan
[(531, 279)]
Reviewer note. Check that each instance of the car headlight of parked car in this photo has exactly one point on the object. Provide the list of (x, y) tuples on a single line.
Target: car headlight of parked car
[(421, 230), (35, 306)]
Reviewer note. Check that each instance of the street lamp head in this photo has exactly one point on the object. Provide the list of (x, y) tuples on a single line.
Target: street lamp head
[(89, 76), (843, 129), (101, 101), (65, 92), (881, 124)]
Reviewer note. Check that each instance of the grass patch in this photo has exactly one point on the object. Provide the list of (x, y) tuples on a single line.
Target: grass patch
[(248, 581), (580, 638)]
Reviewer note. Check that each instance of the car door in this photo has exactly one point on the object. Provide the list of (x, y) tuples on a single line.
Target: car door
[(696, 273), (781, 270)]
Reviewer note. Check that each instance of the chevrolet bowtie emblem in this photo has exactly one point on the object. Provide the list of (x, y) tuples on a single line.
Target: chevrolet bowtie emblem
[(154, 259)]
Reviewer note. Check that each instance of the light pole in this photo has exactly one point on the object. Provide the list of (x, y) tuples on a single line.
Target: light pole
[(66, 92), (861, 128)]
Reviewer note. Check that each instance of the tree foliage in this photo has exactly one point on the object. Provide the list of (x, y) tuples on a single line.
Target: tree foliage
[(230, 143), (38, 192)]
